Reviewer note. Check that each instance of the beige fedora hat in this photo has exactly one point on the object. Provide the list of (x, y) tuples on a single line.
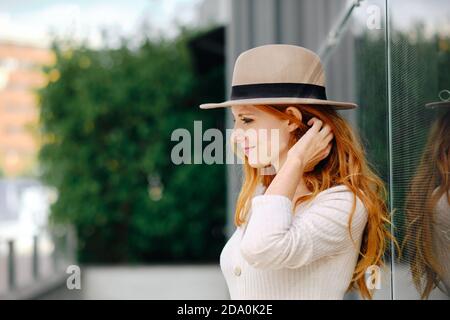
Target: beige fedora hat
[(278, 74)]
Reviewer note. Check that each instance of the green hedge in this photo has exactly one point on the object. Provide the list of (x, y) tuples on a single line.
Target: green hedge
[(107, 117)]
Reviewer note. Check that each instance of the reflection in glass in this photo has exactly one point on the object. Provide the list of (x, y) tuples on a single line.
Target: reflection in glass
[(427, 210), (419, 60)]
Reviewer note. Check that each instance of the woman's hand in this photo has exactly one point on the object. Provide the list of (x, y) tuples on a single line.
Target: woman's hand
[(314, 146)]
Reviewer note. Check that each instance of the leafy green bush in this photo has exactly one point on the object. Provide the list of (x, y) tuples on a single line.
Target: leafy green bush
[(106, 119)]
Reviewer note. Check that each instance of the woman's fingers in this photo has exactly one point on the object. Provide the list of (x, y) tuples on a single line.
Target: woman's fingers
[(311, 121), (327, 150), (324, 130), (319, 140), (329, 137), (315, 123)]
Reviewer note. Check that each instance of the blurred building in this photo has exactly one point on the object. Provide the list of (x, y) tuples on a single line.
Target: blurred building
[(20, 75), (214, 12)]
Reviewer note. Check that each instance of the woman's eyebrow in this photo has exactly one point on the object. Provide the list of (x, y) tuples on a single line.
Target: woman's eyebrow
[(244, 114)]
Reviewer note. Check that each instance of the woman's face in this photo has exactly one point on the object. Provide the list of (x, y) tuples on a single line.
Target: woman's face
[(260, 135)]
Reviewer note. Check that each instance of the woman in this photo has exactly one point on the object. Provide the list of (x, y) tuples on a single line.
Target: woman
[(313, 226), (426, 245)]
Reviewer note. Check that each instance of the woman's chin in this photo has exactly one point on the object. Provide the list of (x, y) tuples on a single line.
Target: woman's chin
[(257, 164)]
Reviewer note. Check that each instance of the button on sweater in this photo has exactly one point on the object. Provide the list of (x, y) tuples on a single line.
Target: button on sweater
[(306, 255)]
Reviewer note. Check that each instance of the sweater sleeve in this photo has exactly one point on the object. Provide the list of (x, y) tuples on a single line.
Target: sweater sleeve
[(275, 238)]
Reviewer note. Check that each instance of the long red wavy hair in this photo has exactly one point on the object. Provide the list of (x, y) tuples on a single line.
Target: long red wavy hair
[(430, 182), (346, 164)]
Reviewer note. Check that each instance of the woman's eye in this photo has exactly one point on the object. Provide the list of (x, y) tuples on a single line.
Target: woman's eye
[(247, 120)]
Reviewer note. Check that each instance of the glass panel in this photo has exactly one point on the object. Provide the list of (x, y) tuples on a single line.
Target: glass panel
[(419, 44), (371, 94), (357, 67), (371, 91)]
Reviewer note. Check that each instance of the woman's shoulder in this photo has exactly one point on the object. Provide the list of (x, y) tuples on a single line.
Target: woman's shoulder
[(337, 192), (340, 197)]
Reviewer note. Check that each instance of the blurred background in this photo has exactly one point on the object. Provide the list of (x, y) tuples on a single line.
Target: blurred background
[(91, 91)]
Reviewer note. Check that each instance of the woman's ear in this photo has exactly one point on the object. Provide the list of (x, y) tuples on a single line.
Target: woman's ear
[(293, 111)]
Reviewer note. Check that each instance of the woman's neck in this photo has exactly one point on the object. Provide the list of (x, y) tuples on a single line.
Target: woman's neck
[(302, 189)]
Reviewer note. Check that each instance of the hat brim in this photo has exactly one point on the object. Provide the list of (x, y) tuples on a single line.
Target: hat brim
[(438, 104), (258, 101)]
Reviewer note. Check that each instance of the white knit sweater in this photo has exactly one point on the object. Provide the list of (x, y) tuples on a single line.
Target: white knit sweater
[(309, 255)]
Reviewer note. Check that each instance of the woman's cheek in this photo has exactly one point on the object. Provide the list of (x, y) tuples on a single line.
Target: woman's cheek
[(266, 153), (277, 144)]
